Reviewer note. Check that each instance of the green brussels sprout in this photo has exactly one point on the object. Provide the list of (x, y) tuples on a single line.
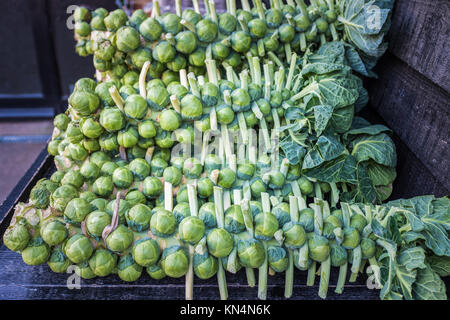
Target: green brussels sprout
[(281, 212), (220, 51), (241, 100), (102, 262), (225, 114), (108, 168), (210, 94), (351, 238), (91, 128), (89, 170), (186, 42), (191, 16), (122, 177), (181, 211), (124, 207), (98, 204), (57, 176), (53, 232), (130, 78), (77, 152), (137, 18), (80, 48), (16, 237), (251, 253), (52, 147), (103, 186), (206, 30), (146, 252), (175, 88), (112, 119), (220, 242), (135, 106), (270, 43), (140, 168), (73, 133), (191, 107), (257, 28), (257, 186), (192, 168), (126, 90), (128, 269), (158, 98), (84, 271), (207, 213), (171, 23), (293, 172), (226, 178), (172, 175), (61, 196), (191, 229), (135, 197), (103, 50), (245, 15), (205, 265), (330, 223), (306, 219), (174, 261), (85, 84), (147, 129), (138, 217), (274, 17), (358, 222), (37, 252), (266, 224), (98, 23), (120, 239), (61, 121), (212, 162), (58, 262), (241, 41), (127, 39), (302, 22), (255, 208), (250, 119), (294, 235), (115, 20), (227, 23), (163, 52), (319, 248), (96, 222), (367, 248), (78, 248), (101, 65), (338, 255), (255, 91), (178, 63), (76, 210), (155, 271), (205, 187), (305, 185), (286, 32), (157, 166), (81, 14), (128, 137), (82, 28), (163, 223), (40, 195), (99, 158), (234, 220), (169, 120), (278, 258), (151, 29)]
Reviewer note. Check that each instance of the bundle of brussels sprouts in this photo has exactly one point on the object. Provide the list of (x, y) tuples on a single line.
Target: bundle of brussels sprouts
[(160, 164)]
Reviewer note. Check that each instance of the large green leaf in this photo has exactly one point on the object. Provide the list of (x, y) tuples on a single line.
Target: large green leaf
[(342, 118), (330, 52), (366, 129), (379, 148), (412, 258), (326, 148), (428, 285), (321, 68), (364, 190), (440, 265), (381, 175), (341, 169), (322, 115), (292, 151)]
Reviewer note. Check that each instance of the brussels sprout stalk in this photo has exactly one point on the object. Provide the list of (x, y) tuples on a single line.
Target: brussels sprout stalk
[(193, 205), (262, 274), (116, 97), (289, 283), (114, 221), (142, 78), (212, 76), (218, 201)]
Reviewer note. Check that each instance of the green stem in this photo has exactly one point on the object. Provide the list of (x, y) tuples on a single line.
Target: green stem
[(178, 7), (117, 98), (260, 9), (311, 274), (341, 280), (188, 25), (291, 71), (357, 255), (289, 283), (142, 79), (212, 11), (196, 6), (194, 85)]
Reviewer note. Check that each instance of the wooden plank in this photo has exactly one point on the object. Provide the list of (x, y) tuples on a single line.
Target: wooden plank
[(417, 110), (419, 36)]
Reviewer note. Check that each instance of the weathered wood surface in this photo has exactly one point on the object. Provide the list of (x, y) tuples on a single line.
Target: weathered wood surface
[(419, 36), (417, 110), (20, 281)]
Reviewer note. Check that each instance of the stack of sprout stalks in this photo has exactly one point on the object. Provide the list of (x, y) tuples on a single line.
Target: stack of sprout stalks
[(261, 165)]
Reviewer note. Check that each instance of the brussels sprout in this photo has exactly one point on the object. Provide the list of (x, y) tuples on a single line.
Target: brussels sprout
[(241, 41), (278, 258), (81, 49), (163, 223), (40, 195), (234, 220), (178, 63), (257, 186), (182, 195), (319, 248), (241, 100), (274, 17), (82, 28), (58, 262), (358, 222), (53, 232), (61, 196), (172, 175), (124, 207), (205, 187), (127, 39), (266, 224), (16, 237), (210, 94), (103, 186), (157, 166), (226, 178), (98, 204), (52, 147), (126, 90), (108, 168), (192, 168), (175, 88), (171, 23), (137, 18), (163, 52), (57, 176), (257, 28), (89, 170), (294, 235), (78, 248), (174, 261), (367, 248), (156, 272), (227, 23), (220, 242), (120, 239), (306, 219), (96, 222), (122, 177), (138, 217), (186, 42), (73, 133), (146, 252), (169, 76), (251, 253), (112, 119), (128, 269), (158, 98), (169, 120), (338, 255), (220, 51), (191, 107), (130, 78), (351, 238), (81, 14), (84, 271), (255, 208), (115, 20), (206, 30), (147, 129), (191, 16), (91, 145), (128, 137), (102, 262), (140, 168), (281, 212), (101, 65), (250, 119), (212, 162), (99, 158), (205, 265), (181, 211), (135, 106), (61, 121), (151, 29), (286, 32), (207, 213), (225, 114), (135, 197), (37, 252), (191, 229), (77, 152), (331, 223)]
